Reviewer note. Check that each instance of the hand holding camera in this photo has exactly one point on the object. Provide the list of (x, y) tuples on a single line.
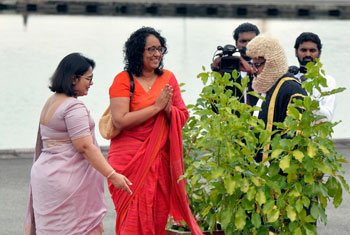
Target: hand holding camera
[(225, 62)]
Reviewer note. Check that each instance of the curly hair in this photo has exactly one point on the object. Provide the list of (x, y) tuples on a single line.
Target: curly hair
[(276, 61), (134, 48)]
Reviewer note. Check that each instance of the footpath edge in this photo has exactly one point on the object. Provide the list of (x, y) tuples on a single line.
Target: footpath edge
[(28, 152)]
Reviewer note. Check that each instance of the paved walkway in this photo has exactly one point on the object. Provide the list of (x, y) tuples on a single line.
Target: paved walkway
[(14, 179)]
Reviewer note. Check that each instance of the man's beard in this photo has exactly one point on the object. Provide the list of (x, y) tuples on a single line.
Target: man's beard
[(303, 63)]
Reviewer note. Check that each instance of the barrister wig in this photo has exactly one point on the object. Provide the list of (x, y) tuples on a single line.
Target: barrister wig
[(276, 61)]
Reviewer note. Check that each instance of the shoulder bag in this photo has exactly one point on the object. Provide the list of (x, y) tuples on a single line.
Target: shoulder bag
[(105, 125)]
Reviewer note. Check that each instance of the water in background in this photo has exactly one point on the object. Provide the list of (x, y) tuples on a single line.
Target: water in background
[(29, 54)]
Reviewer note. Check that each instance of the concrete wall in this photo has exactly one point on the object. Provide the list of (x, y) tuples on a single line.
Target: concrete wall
[(199, 8)]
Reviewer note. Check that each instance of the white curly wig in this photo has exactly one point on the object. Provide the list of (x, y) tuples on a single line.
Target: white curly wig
[(276, 61)]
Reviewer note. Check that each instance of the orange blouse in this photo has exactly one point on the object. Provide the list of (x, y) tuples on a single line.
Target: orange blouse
[(121, 88)]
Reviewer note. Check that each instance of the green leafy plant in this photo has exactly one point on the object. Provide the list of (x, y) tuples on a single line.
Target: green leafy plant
[(288, 192)]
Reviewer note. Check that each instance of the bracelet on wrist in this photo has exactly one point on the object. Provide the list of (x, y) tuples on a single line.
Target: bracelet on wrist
[(110, 174)]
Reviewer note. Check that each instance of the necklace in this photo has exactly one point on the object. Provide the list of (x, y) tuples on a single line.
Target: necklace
[(147, 83), (144, 83)]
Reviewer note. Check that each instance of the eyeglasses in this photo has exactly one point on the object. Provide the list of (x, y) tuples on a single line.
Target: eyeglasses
[(152, 50), (88, 78), (258, 65)]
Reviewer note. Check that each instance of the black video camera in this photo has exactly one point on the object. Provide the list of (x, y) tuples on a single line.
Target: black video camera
[(228, 62)]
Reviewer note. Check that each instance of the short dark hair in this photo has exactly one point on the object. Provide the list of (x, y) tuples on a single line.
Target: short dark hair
[(72, 65), (134, 48), (245, 27), (308, 37)]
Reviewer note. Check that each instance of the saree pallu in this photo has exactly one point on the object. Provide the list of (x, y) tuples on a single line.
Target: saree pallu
[(150, 155)]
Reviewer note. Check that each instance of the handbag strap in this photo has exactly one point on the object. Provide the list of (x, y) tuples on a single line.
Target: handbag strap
[(132, 85)]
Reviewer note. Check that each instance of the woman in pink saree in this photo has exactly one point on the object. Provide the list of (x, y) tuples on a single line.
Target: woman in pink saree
[(148, 149), (67, 176)]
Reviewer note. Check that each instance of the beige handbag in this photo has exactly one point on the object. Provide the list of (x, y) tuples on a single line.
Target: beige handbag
[(107, 129), (105, 125)]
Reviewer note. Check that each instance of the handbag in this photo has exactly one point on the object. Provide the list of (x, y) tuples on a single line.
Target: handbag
[(105, 124)]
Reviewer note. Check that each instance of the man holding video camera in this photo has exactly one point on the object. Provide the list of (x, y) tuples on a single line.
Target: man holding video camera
[(225, 62)]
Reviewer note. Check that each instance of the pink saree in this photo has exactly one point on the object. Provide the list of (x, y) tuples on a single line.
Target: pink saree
[(66, 194)]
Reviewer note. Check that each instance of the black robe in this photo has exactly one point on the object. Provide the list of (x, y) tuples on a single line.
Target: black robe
[(287, 88), (251, 100)]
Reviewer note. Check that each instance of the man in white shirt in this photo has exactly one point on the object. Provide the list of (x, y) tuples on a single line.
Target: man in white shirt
[(307, 48)]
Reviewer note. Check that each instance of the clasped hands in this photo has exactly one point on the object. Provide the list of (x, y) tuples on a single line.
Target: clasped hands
[(164, 99)]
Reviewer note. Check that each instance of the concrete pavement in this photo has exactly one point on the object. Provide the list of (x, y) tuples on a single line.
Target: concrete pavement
[(14, 179), (14, 183)]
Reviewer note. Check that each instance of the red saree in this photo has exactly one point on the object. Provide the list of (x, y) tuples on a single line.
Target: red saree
[(150, 155)]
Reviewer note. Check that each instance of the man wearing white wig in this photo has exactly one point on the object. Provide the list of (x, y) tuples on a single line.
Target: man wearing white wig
[(272, 81)]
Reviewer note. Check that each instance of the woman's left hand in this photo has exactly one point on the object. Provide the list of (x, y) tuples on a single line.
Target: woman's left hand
[(168, 109), (121, 182)]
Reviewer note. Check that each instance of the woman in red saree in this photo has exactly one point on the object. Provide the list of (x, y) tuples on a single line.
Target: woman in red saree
[(148, 149)]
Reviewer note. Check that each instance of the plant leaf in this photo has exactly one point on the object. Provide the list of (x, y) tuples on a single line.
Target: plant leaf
[(332, 185), (310, 229), (276, 153), (293, 112), (309, 179), (240, 218), (284, 163), (273, 215), (306, 201), (217, 172), (311, 150), (345, 185), (206, 210), (314, 211), (226, 218), (245, 185), (230, 184), (251, 193), (298, 155), (256, 181), (297, 231), (256, 220), (299, 205), (291, 213), (260, 197), (338, 198)]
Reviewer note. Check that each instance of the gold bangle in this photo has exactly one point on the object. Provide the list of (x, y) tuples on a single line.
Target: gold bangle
[(110, 174)]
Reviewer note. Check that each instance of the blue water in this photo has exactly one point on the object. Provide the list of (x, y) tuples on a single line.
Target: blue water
[(30, 53)]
